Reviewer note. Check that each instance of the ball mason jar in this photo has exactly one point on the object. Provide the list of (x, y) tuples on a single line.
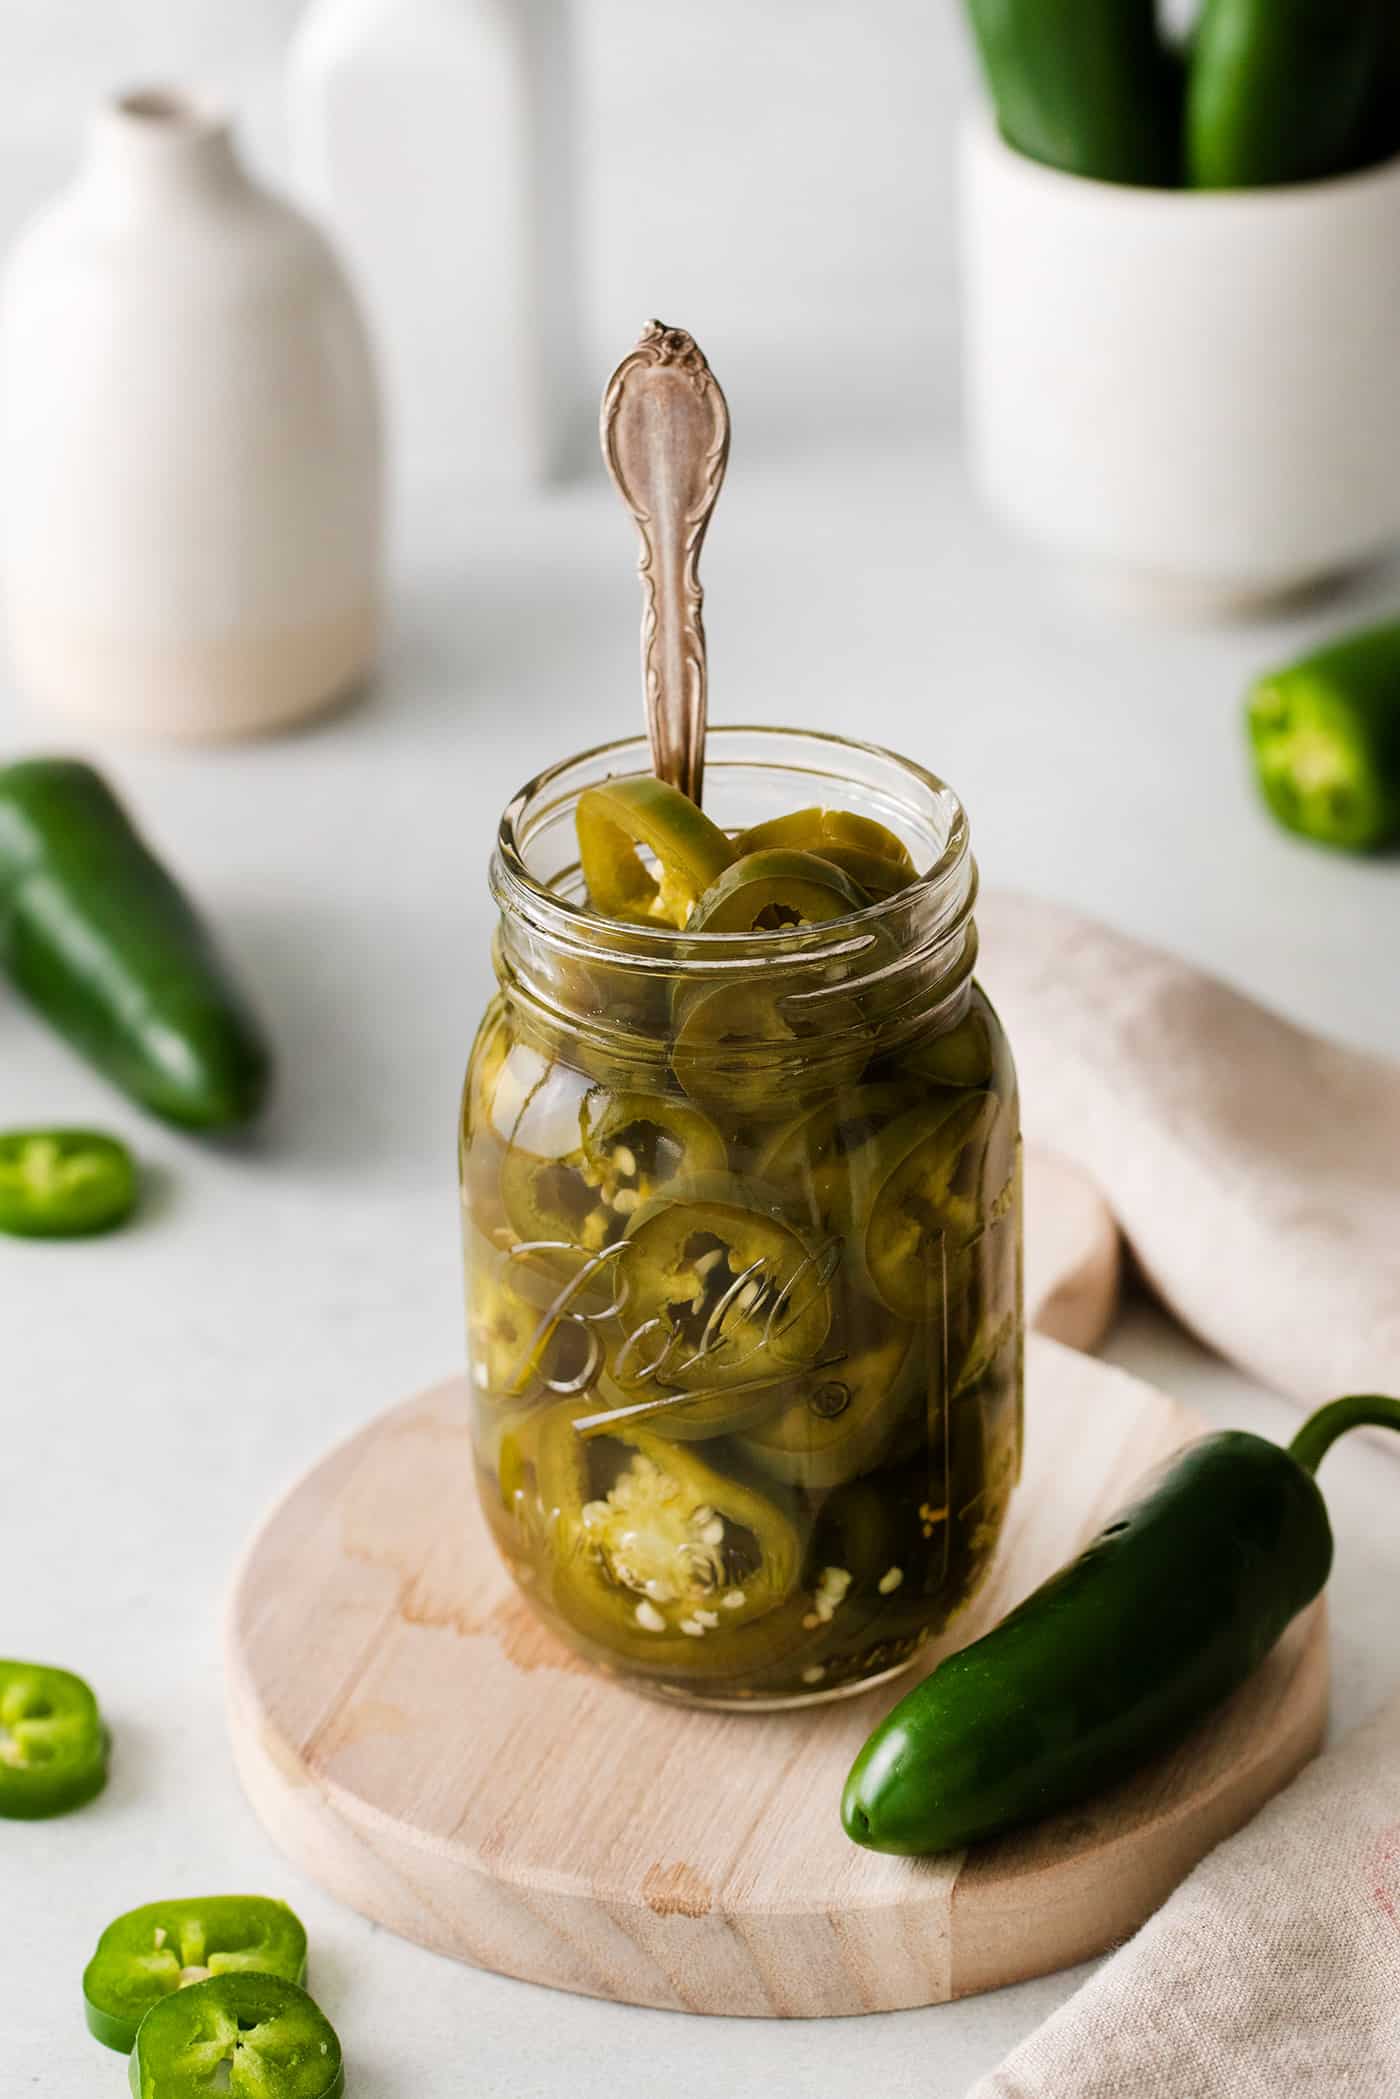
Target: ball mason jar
[(743, 1251)]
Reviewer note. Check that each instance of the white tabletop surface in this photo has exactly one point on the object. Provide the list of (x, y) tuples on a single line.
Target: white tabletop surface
[(159, 1389)]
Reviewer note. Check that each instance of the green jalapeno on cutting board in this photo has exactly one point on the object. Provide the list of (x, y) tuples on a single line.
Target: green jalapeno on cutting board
[(686, 851), (98, 937), (1115, 1658), (149, 1952), (64, 1184), (1282, 90), (1325, 738), (1089, 86), (254, 2036), (53, 1744)]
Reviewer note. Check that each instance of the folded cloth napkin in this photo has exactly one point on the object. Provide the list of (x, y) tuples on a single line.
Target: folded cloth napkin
[(1272, 1973), (1254, 1168)]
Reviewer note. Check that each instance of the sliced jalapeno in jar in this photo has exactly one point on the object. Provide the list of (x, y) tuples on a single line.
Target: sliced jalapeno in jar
[(654, 1549), (842, 1415), (722, 1292), (256, 2036), (772, 891), (165, 1946), (927, 1185), (686, 851), (630, 1146), (821, 830), (53, 1745), (808, 1159), (64, 1184), (752, 1050)]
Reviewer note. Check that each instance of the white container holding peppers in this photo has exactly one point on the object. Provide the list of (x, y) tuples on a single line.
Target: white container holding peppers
[(1196, 392)]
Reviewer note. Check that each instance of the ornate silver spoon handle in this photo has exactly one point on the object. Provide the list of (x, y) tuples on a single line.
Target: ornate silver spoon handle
[(665, 436)]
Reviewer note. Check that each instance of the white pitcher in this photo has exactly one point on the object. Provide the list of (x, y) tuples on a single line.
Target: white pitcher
[(191, 470)]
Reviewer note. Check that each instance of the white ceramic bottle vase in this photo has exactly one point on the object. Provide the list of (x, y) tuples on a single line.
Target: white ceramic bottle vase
[(191, 443), (435, 138)]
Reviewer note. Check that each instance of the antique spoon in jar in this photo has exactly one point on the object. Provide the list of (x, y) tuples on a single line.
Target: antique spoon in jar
[(665, 436)]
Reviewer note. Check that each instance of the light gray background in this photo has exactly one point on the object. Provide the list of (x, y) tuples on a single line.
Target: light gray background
[(159, 1389)]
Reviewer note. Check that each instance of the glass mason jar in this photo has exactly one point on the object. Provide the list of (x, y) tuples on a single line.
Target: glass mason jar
[(743, 1250)]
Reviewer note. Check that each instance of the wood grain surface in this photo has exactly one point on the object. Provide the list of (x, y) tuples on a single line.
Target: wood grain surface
[(412, 1736)]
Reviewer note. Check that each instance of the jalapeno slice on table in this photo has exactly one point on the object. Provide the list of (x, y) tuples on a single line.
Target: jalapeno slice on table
[(256, 2036), (686, 851), (149, 1952), (64, 1184), (53, 1745), (924, 1189)]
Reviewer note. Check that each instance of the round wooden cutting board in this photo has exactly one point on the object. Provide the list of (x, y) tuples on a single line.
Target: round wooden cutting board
[(412, 1736)]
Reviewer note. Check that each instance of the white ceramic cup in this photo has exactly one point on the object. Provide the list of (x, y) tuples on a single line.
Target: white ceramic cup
[(1196, 392)]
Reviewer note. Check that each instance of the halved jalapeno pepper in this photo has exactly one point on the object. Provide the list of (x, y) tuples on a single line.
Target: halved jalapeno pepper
[(927, 1185), (821, 830), (53, 1745), (686, 850), (722, 1293), (64, 1184), (771, 891), (255, 2036), (653, 1549), (165, 1946)]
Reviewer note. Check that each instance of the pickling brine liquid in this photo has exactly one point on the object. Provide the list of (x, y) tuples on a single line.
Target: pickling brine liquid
[(744, 1305)]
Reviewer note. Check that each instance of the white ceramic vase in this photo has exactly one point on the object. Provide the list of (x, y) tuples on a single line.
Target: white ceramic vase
[(191, 459), (436, 139), (1196, 393)]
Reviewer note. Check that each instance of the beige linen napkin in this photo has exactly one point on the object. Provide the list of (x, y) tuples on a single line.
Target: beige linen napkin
[(1272, 1973), (1254, 1168)]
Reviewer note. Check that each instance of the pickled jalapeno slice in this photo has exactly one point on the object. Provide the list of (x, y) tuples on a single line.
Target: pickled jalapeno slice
[(878, 877), (149, 1952), (773, 892), (822, 830), (722, 1291), (752, 1050), (685, 851), (254, 2036), (630, 1146), (653, 1547), (930, 1181), (808, 1159), (842, 1415)]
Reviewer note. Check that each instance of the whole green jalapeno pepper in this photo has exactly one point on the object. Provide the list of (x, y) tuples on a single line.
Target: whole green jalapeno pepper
[(101, 941), (149, 1952), (1325, 737), (1281, 90), (1084, 85), (1118, 1656)]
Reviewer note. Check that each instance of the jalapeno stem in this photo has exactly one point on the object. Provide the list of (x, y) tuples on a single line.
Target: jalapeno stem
[(1321, 1430)]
